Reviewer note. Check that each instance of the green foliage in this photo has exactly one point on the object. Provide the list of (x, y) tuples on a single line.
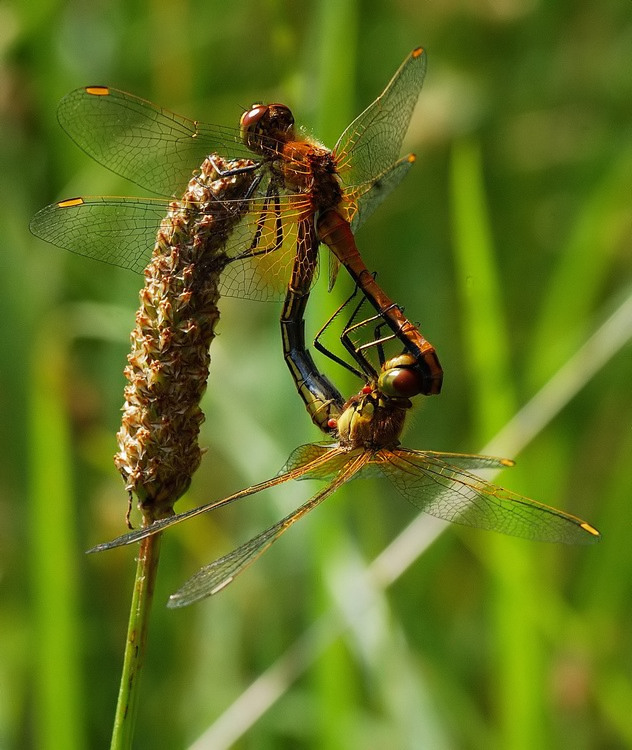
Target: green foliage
[(510, 243)]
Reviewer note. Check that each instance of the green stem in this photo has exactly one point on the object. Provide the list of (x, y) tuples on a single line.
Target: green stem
[(127, 706)]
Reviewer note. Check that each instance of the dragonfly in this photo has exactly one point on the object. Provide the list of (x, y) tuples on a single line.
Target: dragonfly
[(440, 484), (304, 194)]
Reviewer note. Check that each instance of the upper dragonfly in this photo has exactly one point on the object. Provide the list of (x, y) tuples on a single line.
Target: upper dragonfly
[(304, 193)]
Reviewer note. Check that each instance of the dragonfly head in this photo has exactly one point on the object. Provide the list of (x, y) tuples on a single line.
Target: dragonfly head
[(372, 419), (265, 128)]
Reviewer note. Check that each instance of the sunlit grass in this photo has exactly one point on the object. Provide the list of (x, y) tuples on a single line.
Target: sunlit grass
[(515, 654), (53, 546)]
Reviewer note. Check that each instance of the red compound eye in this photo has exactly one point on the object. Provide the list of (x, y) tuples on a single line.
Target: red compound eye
[(252, 117), (400, 382)]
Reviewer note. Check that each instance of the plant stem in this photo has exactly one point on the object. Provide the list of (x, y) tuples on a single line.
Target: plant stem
[(127, 706)]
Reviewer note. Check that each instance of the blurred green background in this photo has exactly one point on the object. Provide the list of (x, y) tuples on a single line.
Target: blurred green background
[(510, 242)]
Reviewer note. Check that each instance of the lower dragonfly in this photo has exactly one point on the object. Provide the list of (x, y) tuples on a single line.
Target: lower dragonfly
[(369, 427)]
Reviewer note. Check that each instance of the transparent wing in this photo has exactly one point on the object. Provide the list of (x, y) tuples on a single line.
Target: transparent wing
[(120, 231), (134, 536), (373, 141), (360, 202), (379, 190), (335, 460), (260, 247), (217, 575), (140, 141), (435, 483), (471, 461)]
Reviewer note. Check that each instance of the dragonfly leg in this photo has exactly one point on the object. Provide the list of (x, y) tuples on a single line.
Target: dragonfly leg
[(271, 198), (377, 343), (327, 352), (213, 158), (128, 513)]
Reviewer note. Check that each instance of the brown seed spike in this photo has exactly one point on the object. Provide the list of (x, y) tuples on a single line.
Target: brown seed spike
[(175, 324)]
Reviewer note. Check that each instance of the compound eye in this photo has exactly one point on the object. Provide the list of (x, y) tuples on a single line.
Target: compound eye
[(251, 118), (401, 360), (400, 382), (282, 115)]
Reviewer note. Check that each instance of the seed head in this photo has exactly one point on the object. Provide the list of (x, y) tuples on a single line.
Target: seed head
[(169, 361)]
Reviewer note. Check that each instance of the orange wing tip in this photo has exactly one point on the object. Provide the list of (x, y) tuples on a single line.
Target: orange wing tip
[(590, 529), (508, 462), (70, 202), (97, 90), (417, 52), (411, 158)]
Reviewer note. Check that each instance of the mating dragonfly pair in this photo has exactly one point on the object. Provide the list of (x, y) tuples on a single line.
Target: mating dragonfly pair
[(258, 203)]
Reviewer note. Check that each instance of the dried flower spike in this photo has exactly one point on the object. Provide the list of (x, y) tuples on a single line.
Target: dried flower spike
[(175, 324)]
